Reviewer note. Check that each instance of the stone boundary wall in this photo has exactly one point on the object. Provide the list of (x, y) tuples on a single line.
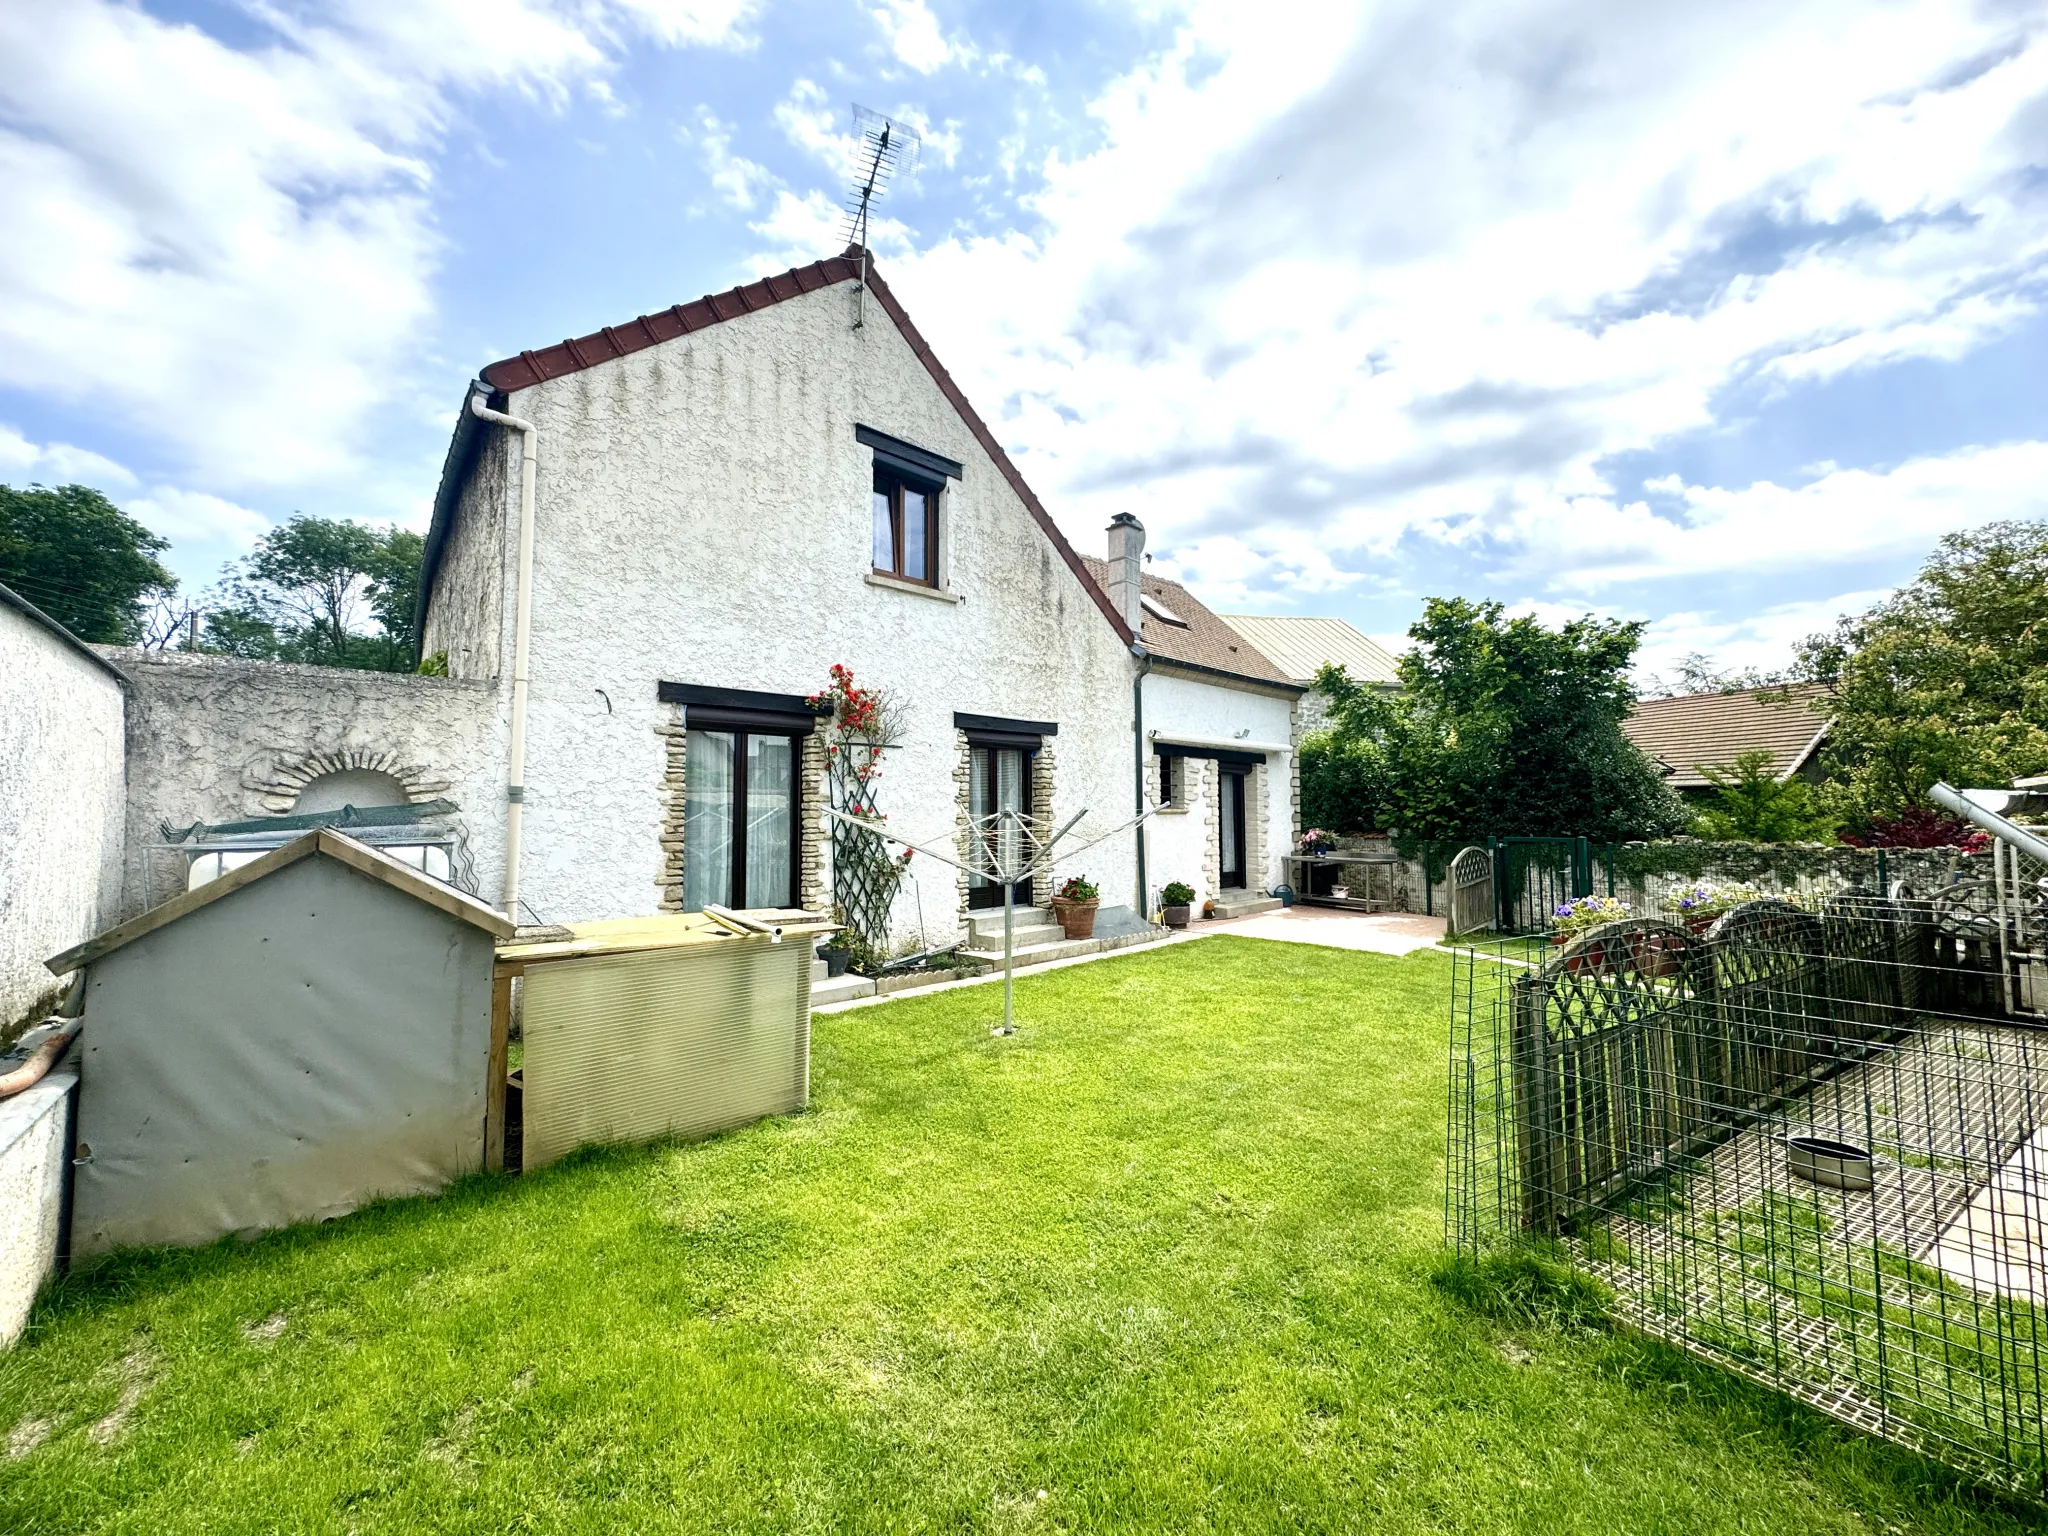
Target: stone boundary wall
[(62, 794), (214, 738)]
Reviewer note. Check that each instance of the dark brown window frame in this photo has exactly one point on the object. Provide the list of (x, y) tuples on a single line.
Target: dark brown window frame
[(741, 719), (892, 483)]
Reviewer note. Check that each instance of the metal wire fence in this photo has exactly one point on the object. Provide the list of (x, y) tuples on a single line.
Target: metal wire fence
[(1806, 1145)]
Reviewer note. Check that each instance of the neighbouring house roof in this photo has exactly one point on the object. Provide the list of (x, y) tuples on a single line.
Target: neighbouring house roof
[(1300, 647), (610, 342), (1716, 728), (324, 841), (1178, 627)]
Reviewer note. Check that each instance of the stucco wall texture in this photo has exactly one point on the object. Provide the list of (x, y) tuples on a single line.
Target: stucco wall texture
[(703, 517), (1183, 845), (33, 1152), (206, 734), (61, 793)]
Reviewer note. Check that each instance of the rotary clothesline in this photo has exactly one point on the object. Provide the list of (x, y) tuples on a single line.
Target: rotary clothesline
[(998, 858)]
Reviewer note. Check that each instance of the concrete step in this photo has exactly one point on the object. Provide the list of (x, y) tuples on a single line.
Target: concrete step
[(820, 971), (841, 989), (986, 921), (1246, 906), (1021, 935)]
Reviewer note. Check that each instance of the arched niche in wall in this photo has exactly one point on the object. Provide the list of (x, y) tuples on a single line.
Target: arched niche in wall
[(359, 787), (279, 781)]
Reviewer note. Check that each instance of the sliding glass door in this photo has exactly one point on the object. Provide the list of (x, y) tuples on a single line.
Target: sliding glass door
[(740, 845), (998, 780)]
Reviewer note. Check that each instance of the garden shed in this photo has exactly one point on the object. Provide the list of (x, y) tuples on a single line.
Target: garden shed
[(307, 1033)]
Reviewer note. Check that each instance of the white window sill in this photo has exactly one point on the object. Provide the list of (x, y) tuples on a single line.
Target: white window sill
[(1171, 810), (912, 588)]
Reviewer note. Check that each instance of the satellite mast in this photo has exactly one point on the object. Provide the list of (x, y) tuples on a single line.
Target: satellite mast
[(882, 150)]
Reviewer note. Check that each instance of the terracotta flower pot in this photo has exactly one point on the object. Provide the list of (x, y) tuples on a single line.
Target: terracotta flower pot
[(1076, 918), (1177, 917)]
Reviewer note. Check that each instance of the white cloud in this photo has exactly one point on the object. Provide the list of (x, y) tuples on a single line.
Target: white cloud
[(736, 179), (205, 531), (707, 23), (1589, 543), (25, 463), (229, 250), (807, 120), (1763, 640), (915, 38), (1401, 279)]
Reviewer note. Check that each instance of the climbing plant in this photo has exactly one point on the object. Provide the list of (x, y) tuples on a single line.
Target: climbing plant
[(864, 723)]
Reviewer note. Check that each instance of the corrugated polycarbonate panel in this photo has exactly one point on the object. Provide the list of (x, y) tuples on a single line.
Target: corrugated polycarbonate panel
[(682, 1041)]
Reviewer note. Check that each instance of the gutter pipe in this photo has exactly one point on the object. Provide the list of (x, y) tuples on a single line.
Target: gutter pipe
[(1997, 825), (1138, 767), (522, 634)]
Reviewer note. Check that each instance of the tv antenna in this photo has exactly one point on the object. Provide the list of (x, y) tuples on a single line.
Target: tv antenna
[(883, 149)]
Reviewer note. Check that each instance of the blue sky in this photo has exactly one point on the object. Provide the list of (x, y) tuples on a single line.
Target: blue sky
[(1715, 316)]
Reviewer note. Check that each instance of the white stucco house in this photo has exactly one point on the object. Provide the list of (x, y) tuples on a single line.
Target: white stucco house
[(721, 501), (725, 500), (1216, 720)]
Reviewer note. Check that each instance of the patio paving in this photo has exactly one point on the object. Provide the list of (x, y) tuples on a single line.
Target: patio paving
[(1383, 933)]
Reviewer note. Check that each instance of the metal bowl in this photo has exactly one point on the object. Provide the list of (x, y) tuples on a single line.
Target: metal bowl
[(1833, 1163)]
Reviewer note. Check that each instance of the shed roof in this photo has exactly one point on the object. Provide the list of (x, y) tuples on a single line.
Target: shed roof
[(325, 842), (1716, 728), (1300, 646), (1199, 638)]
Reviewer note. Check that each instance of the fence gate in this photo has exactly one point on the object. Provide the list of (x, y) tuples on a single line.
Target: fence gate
[(1471, 890), (1533, 876)]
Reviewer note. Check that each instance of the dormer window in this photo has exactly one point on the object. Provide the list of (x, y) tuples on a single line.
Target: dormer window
[(906, 527)]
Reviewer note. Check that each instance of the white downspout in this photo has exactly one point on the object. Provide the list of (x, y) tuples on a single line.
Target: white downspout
[(522, 633)]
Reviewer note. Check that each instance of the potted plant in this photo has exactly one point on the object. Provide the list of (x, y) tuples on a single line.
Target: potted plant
[(1178, 901), (1074, 905), (837, 957), (1572, 918), (1316, 842), (1696, 906)]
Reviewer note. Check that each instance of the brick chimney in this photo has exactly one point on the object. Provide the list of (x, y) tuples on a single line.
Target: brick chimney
[(1127, 568)]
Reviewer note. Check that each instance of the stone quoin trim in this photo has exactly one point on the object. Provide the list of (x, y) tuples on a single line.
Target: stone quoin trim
[(813, 831)]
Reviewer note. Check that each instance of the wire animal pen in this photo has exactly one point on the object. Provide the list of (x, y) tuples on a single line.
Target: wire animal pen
[(1808, 1146)]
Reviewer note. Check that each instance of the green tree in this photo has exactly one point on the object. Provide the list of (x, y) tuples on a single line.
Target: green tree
[(1751, 804), (1945, 679), (325, 591), (1500, 727), (82, 560)]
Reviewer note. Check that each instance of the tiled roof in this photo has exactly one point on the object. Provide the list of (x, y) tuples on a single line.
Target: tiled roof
[(1300, 646), (1717, 728), (609, 342), (1201, 639)]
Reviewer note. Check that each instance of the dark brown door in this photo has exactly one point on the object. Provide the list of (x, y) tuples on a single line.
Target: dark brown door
[(1230, 828)]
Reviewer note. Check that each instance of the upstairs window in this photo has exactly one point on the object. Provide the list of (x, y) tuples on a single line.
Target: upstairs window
[(906, 527)]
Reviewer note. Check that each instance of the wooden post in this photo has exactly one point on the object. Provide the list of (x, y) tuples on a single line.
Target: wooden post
[(494, 1071)]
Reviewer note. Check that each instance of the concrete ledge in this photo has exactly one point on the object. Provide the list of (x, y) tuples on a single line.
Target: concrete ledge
[(34, 1145)]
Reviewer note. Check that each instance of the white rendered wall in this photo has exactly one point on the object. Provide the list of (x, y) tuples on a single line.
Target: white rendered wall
[(61, 794), (32, 1153), (704, 517), (214, 739), (1177, 847)]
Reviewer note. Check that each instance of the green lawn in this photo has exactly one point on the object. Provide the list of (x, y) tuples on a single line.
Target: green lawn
[(1161, 1261)]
